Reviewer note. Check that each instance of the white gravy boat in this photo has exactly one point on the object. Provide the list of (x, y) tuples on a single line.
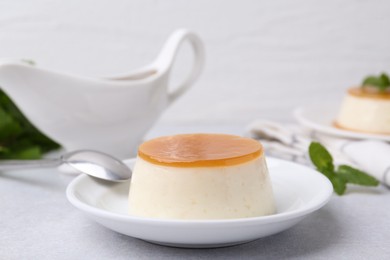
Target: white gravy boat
[(106, 114)]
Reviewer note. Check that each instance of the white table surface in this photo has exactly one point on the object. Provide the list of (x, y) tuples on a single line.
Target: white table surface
[(37, 222)]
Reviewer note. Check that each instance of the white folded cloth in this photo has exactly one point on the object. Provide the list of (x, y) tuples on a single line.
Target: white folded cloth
[(291, 142)]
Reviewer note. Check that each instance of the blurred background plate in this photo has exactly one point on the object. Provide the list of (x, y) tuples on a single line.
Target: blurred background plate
[(320, 118)]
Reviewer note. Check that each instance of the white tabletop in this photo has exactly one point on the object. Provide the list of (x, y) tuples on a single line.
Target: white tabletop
[(37, 222)]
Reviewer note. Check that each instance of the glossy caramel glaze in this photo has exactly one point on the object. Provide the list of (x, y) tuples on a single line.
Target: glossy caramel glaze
[(200, 150), (368, 93)]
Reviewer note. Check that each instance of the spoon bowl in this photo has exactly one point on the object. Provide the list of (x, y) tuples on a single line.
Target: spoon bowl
[(97, 164)]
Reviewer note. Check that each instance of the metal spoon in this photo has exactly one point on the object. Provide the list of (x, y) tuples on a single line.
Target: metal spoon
[(94, 163)]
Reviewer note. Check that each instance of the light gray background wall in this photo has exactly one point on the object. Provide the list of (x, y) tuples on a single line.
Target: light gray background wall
[(263, 57)]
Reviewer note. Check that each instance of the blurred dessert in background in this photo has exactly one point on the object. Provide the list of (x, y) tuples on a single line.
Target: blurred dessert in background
[(367, 108)]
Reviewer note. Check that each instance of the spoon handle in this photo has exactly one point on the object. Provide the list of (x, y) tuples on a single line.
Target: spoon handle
[(6, 165)]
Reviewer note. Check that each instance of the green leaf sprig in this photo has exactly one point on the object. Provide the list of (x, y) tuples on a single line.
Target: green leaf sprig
[(19, 139), (341, 176), (381, 82)]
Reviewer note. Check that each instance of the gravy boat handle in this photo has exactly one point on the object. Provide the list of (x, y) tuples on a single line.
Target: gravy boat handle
[(168, 54)]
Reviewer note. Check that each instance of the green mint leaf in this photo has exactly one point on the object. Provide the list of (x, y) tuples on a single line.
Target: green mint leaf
[(339, 184), (32, 152), (3, 149), (345, 174), (8, 126), (321, 158), (385, 79), (355, 176), (373, 81), (382, 82), (19, 139), (23, 149)]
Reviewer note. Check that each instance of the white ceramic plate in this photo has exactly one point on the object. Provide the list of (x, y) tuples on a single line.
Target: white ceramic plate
[(298, 192), (320, 119)]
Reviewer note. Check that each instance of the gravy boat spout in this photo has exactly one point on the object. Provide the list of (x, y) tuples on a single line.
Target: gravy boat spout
[(107, 114)]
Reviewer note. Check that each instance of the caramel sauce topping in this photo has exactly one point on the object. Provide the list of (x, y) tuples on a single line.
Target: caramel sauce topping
[(200, 150), (368, 93)]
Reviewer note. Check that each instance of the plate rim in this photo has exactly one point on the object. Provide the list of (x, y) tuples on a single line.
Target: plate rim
[(278, 217), (299, 115)]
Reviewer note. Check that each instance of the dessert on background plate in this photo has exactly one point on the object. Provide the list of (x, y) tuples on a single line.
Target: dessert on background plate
[(201, 176), (367, 108)]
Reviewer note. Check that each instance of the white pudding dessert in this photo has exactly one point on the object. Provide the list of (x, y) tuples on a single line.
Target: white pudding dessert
[(364, 110), (201, 176)]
